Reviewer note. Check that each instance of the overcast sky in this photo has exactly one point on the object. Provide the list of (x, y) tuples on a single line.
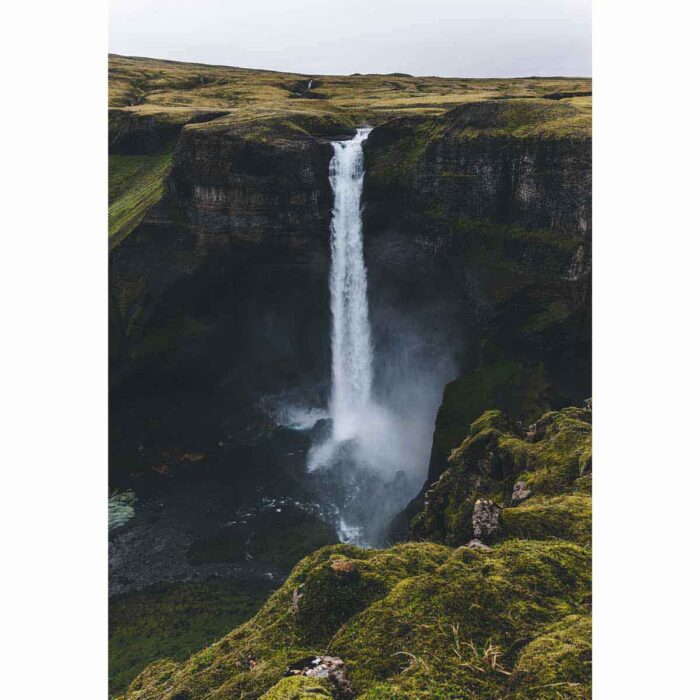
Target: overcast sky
[(470, 38)]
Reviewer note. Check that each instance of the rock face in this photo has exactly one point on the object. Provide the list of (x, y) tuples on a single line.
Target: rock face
[(220, 295), (475, 162), (239, 190), (477, 227), (500, 202), (499, 462), (509, 204), (485, 519)]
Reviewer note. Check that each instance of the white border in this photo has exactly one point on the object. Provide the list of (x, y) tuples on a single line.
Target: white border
[(54, 370), (645, 350)]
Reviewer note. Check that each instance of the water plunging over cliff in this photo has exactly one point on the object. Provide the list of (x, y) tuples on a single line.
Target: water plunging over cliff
[(351, 343), (360, 458)]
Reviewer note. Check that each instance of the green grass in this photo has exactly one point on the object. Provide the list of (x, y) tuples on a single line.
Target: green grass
[(135, 184), (174, 621)]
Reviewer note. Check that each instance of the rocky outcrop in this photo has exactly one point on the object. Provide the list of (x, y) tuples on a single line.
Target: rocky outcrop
[(504, 482), (485, 520), (323, 667)]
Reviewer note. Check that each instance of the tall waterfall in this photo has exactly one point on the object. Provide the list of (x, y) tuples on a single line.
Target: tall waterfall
[(371, 461), (351, 341)]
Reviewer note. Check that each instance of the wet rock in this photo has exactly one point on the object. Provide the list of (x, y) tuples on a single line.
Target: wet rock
[(478, 544), (163, 469), (485, 519), (322, 430), (520, 492), (192, 457)]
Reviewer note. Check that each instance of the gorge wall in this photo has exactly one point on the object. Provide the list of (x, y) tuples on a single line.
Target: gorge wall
[(496, 199), (477, 243)]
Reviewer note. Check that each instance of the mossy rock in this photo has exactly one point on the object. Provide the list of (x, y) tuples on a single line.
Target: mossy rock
[(299, 688), (552, 458), (519, 389)]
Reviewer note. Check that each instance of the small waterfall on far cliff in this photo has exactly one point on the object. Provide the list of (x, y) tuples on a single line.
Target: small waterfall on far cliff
[(350, 341)]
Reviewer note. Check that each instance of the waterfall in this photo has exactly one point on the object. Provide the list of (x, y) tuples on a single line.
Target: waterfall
[(364, 462), (359, 459), (351, 342)]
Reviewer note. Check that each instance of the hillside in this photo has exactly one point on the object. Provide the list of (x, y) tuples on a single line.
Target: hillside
[(148, 86), (502, 612)]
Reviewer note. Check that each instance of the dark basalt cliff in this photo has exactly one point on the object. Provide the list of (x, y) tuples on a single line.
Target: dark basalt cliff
[(505, 205), (477, 229), (220, 294)]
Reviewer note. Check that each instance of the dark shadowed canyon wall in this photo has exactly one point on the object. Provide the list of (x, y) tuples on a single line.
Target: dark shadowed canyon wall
[(477, 243)]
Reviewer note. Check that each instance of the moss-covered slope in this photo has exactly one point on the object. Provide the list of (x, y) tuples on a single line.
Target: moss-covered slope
[(531, 483), (419, 620), (136, 183), (507, 616)]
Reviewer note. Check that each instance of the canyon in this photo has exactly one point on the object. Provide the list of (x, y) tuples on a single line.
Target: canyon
[(476, 212)]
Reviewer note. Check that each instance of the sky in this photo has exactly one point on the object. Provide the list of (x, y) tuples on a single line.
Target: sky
[(452, 38)]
